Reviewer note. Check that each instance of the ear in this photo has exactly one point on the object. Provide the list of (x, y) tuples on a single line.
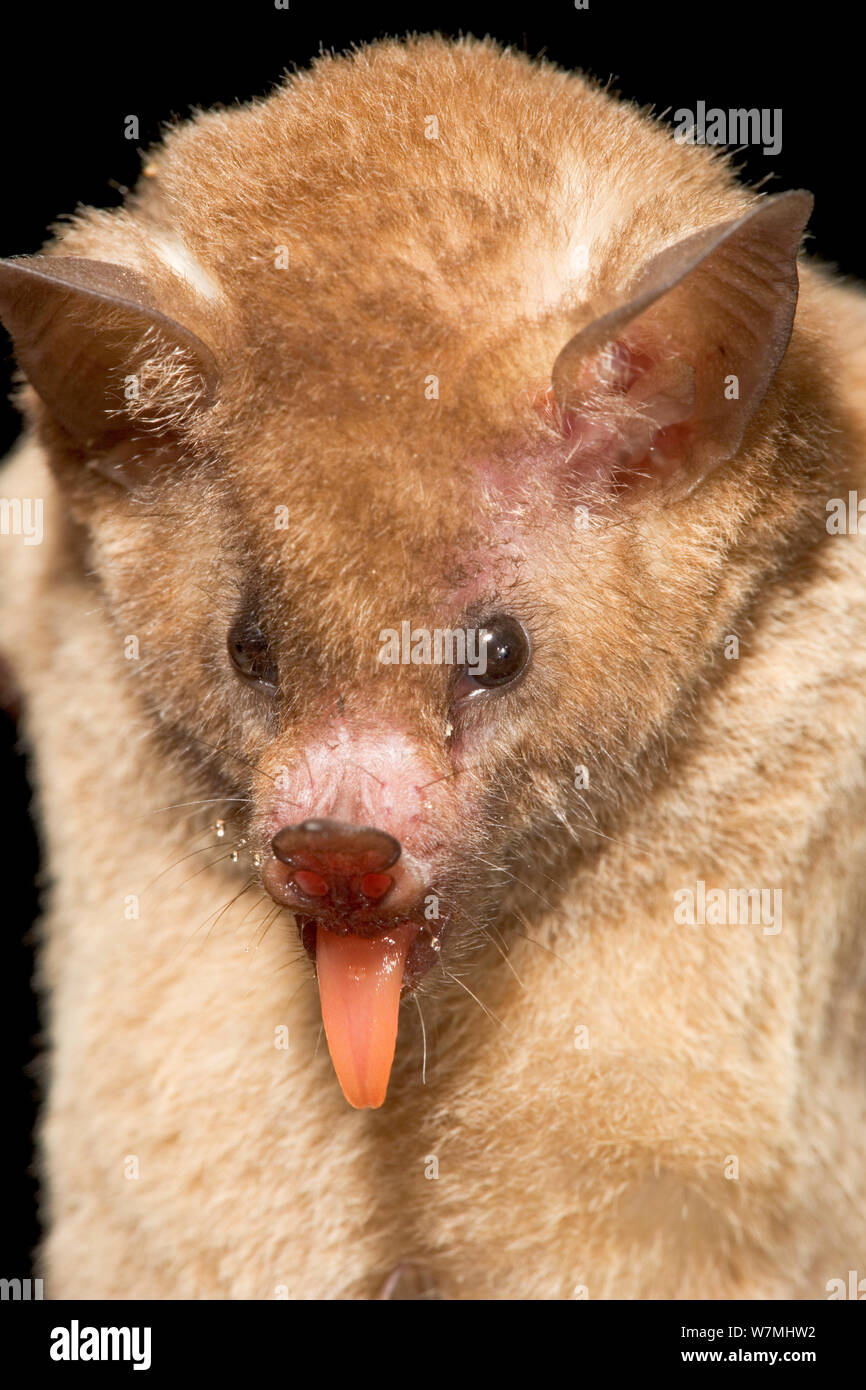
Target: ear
[(682, 365), (83, 331)]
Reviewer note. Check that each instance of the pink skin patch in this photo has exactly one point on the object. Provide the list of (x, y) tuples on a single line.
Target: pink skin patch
[(626, 420), (358, 777)]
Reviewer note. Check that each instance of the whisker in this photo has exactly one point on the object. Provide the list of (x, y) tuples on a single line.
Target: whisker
[(309, 772), (498, 868), (229, 753), (247, 886), (436, 780), (593, 830), (549, 949), (424, 1038), (504, 954), (494, 942), (481, 1006), (263, 901), (195, 933), (307, 980), (219, 860), (268, 923), (369, 773), (202, 849), (206, 801)]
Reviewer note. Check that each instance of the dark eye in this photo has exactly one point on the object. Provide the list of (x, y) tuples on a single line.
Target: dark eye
[(503, 651), (250, 654)]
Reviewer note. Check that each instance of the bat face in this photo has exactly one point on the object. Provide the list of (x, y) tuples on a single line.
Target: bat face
[(351, 388)]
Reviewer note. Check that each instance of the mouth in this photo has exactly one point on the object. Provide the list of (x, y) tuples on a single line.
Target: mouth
[(371, 925), (425, 945), (362, 980)]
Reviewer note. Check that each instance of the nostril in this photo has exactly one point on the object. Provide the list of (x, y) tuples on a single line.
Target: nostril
[(375, 886), (313, 885)]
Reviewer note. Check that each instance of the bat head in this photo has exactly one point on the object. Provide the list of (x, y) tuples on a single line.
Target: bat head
[(413, 419)]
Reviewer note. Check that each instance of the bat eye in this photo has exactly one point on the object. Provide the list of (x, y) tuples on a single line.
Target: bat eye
[(503, 653), (251, 656)]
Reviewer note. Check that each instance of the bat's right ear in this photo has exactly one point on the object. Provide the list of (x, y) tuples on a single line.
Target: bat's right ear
[(90, 340)]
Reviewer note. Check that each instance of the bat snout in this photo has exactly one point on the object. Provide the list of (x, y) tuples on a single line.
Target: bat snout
[(348, 875)]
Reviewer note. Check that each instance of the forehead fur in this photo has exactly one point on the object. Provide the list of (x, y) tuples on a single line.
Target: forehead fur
[(337, 259), (537, 191)]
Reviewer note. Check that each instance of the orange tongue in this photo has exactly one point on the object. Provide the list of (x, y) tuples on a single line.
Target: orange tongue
[(360, 979)]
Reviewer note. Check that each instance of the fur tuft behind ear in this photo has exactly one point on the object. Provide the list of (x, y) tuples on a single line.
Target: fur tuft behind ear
[(104, 360)]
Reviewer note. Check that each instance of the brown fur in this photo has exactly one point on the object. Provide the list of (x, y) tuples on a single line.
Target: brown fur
[(559, 1168)]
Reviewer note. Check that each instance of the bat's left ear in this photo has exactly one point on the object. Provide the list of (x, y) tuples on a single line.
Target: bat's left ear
[(696, 341), (89, 337)]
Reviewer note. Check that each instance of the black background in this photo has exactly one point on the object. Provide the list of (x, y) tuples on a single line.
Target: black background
[(69, 76)]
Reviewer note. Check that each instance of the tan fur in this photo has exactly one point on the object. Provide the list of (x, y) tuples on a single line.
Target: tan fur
[(472, 257)]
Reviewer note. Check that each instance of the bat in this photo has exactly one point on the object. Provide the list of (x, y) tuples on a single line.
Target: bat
[(442, 660)]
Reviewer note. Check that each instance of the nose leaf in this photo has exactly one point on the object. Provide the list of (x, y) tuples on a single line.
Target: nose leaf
[(343, 864), (332, 847)]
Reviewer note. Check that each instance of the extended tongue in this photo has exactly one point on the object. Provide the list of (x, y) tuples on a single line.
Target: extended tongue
[(360, 979)]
